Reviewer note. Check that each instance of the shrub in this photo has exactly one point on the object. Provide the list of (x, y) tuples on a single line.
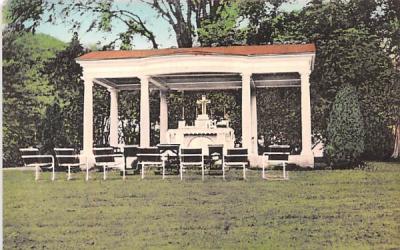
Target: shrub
[(345, 132), (379, 138)]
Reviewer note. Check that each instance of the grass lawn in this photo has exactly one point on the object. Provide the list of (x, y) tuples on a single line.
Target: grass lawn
[(346, 209)]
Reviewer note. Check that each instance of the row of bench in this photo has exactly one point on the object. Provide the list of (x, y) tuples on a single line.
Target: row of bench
[(164, 156)]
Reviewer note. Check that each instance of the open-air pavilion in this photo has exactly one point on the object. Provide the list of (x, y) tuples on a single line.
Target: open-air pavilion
[(216, 68)]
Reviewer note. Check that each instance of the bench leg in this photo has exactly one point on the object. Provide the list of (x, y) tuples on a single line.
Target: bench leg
[(244, 171), (202, 172), (36, 173), (53, 176), (181, 171), (123, 174), (142, 171), (87, 172), (104, 172), (285, 177), (163, 170), (223, 171), (263, 170), (69, 173)]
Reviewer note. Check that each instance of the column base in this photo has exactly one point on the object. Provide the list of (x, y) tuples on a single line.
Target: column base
[(255, 160), (306, 159), (87, 156)]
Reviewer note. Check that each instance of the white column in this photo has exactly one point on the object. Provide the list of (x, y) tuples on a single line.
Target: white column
[(246, 111), (254, 133), (113, 117), (307, 157), (87, 152), (144, 112), (163, 116), (88, 117)]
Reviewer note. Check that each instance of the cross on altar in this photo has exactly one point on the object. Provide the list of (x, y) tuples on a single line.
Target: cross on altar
[(204, 101)]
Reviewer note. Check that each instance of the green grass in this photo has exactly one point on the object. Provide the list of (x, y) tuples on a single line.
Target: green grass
[(342, 209)]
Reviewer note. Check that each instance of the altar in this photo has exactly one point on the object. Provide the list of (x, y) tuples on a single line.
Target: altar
[(204, 132)]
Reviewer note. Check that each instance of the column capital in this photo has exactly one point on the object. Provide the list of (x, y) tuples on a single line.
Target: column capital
[(112, 89), (246, 74), (305, 73), (88, 81), (143, 77)]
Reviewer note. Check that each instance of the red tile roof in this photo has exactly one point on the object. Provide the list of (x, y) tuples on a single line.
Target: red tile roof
[(254, 50)]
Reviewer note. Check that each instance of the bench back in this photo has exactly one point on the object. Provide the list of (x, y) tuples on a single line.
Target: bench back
[(237, 155), (191, 155), (278, 152), (150, 154), (131, 150), (104, 155), (66, 156), (28, 156)]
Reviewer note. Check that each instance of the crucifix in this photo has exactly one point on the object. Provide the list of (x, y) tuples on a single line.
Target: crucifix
[(204, 101)]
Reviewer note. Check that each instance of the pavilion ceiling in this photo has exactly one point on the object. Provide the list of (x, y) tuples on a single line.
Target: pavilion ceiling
[(203, 81)]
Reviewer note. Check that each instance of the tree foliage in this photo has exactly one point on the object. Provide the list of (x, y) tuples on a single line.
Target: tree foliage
[(265, 20), (184, 17), (279, 116), (26, 91), (128, 103), (223, 29), (23, 15), (64, 75), (356, 56), (52, 132), (345, 131)]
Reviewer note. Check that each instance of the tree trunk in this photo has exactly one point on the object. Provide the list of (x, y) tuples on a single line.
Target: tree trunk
[(396, 151), (183, 35), (184, 40)]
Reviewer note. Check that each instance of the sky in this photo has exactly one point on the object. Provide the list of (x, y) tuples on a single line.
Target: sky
[(165, 36)]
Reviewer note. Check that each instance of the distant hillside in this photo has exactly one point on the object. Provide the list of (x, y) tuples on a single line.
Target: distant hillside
[(44, 46)]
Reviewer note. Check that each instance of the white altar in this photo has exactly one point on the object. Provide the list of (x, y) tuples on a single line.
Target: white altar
[(203, 133)]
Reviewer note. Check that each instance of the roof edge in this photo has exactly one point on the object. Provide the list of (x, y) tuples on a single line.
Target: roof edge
[(249, 51)]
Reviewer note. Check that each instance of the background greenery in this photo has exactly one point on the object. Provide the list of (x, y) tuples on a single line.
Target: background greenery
[(345, 128), (358, 43)]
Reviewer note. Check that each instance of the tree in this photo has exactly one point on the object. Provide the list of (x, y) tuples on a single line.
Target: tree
[(23, 15), (128, 109), (264, 20), (279, 110), (26, 92), (345, 142), (223, 29), (183, 16), (192, 20), (52, 131), (356, 56), (355, 43), (101, 115), (65, 75)]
